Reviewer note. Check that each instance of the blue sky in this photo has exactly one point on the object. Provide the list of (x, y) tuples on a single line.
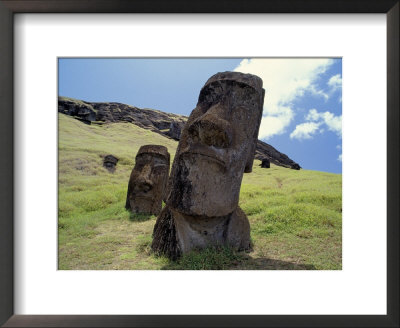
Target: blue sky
[(302, 114)]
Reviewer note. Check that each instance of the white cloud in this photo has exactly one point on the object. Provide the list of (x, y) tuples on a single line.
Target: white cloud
[(305, 130), (318, 92), (312, 115), (315, 121), (332, 122), (275, 124), (340, 158), (339, 147), (335, 82), (284, 79)]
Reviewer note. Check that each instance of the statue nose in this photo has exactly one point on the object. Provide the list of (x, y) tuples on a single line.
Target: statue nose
[(143, 182), (145, 186), (212, 129)]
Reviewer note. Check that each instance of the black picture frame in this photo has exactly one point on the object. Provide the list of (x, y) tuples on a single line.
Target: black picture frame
[(10, 7)]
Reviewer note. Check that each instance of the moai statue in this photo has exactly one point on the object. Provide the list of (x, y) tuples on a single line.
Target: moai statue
[(265, 163), (217, 146), (110, 163), (148, 180)]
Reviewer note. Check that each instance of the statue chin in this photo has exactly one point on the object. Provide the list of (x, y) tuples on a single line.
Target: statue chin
[(221, 210), (204, 192)]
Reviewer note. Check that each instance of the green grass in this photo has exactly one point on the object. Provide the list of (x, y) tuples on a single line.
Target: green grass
[(295, 216)]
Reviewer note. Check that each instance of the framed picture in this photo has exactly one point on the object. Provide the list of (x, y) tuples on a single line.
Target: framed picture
[(275, 211), (26, 175)]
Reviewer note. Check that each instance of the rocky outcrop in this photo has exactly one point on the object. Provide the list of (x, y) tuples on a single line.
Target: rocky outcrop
[(295, 166), (167, 124), (266, 151), (101, 112)]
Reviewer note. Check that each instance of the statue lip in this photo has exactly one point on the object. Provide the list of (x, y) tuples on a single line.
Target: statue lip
[(143, 196), (215, 154)]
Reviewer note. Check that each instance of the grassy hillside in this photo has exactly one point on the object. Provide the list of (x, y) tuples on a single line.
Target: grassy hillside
[(295, 216)]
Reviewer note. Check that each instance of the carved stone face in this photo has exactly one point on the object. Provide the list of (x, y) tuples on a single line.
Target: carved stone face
[(148, 180), (217, 146), (110, 163)]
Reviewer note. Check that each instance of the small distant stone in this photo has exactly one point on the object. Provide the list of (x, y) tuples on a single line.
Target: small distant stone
[(265, 163), (110, 163)]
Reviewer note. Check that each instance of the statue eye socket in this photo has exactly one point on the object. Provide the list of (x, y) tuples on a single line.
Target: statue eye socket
[(140, 163), (159, 167), (211, 95)]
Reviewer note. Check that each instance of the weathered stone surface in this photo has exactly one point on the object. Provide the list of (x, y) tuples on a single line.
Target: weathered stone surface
[(176, 233), (83, 111), (167, 124), (216, 147), (110, 163), (265, 163), (175, 130), (148, 180)]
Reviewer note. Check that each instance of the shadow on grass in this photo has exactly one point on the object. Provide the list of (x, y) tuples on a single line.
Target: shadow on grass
[(136, 217), (224, 258)]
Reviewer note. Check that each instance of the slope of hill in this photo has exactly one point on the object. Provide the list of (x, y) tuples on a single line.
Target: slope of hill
[(166, 124), (295, 216)]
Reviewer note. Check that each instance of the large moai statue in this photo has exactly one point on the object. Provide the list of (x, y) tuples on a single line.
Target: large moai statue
[(148, 180), (217, 146)]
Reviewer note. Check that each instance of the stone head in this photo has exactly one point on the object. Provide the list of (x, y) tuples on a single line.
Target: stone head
[(110, 163), (217, 146), (148, 180)]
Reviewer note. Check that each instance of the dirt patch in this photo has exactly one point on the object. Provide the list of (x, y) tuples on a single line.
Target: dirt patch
[(279, 181)]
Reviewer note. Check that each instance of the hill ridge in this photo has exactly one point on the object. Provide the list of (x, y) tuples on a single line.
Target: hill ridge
[(168, 125)]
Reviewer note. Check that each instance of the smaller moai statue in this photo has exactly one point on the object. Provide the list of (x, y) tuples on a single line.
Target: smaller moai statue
[(265, 163), (148, 180), (110, 163)]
